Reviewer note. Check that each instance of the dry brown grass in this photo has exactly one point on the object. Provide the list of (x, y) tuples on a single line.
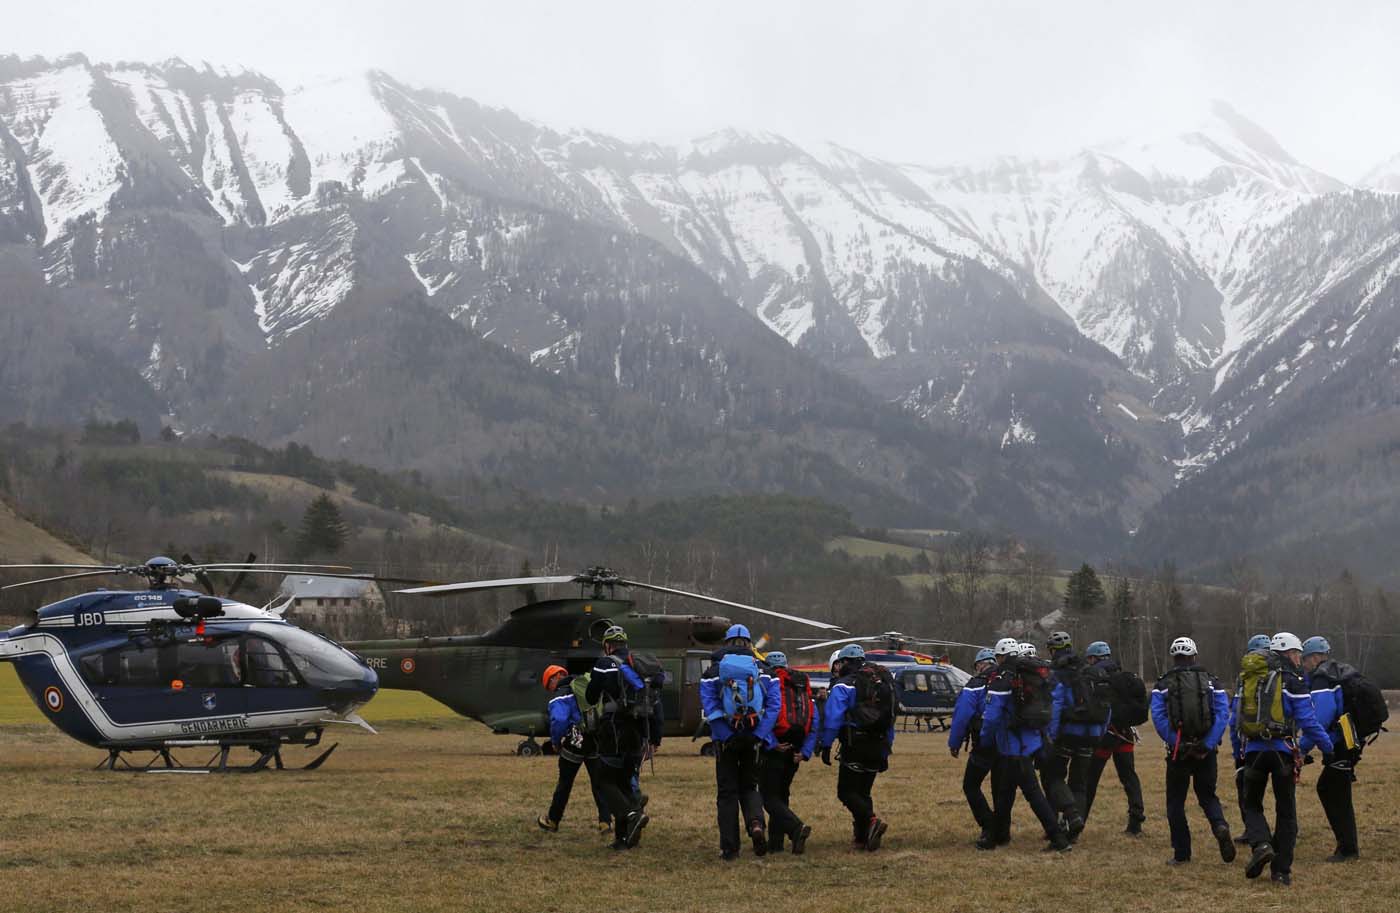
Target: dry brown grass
[(22, 541), (439, 815)]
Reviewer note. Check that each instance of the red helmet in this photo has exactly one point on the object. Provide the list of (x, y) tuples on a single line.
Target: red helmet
[(549, 673)]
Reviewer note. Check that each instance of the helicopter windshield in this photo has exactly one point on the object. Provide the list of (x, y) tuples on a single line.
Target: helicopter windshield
[(321, 663)]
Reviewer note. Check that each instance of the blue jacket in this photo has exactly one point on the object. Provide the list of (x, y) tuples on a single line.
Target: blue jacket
[(772, 706), (998, 724), (967, 713), (839, 700), (712, 702), (1327, 706), (563, 713), (1219, 706), (1298, 707), (1066, 668)]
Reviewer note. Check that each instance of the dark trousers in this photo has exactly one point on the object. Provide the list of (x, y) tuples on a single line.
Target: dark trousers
[(1259, 768), (1065, 775), (615, 783), (1019, 773), (775, 786), (980, 764), (853, 789), (736, 779), (1126, 768), (568, 770), (1334, 791), (1182, 775)]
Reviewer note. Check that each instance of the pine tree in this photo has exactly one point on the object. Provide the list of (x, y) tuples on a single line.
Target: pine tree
[(323, 530), (1084, 593)]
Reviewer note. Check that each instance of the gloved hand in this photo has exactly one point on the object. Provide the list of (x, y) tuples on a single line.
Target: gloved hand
[(826, 755), (954, 750), (804, 757)]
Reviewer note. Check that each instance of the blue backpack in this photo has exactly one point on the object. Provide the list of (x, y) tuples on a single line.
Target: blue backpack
[(740, 691)]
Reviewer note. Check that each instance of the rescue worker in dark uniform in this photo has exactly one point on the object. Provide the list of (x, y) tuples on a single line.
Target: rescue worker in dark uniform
[(1334, 783), (737, 745), (782, 755), (1266, 758), (623, 739), (865, 745), (1016, 746), (1191, 762), (1118, 744), (575, 747), (1258, 643), (967, 730), (1065, 770)]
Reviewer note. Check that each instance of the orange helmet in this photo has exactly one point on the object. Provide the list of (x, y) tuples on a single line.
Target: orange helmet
[(550, 672)]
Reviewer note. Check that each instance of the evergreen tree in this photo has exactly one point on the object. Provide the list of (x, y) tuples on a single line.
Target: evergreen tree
[(323, 530), (1084, 593)]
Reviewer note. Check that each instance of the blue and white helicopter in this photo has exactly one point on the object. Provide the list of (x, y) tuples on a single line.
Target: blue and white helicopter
[(165, 668)]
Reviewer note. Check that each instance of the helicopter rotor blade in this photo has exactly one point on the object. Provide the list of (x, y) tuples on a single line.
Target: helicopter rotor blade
[(448, 589), (242, 576), (832, 643), (59, 567), (733, 605), (236, 565), (103, 573), (376, 578), (947, 643), (199, 575)]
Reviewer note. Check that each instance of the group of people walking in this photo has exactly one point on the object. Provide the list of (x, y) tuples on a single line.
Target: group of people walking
[(1044, 729)]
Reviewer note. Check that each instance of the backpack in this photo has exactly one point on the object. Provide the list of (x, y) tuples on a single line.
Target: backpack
[(1129, 702), (740, 690), (795, 709), (1263, 712), (1092, 695), (642, 704), (1032, 692), (1361, 699), (873, 710), (592, 714), (1190, 710)]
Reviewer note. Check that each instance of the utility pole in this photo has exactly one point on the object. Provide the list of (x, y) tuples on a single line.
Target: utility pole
[(1138, 620)]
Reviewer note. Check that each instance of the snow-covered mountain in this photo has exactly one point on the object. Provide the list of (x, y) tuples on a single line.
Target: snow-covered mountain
[(1102, 325)]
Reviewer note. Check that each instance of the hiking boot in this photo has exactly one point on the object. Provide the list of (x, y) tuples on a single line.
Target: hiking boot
[(728, 855), (1134, 828), (546, 824), (618, 844), (1242, 840), (875, 834), (1263, 855), (1340, 856), (760, 839), (1175, 861), (642, 800), (1075, 827), (1283, 878), (1227, 846), (1059, 843), (633, 833), (799, 839)]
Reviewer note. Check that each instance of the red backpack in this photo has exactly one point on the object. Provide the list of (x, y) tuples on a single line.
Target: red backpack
[(796, 707)]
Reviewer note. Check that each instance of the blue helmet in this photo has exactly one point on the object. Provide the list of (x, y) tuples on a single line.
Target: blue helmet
[(1316, 644), (984, 655), (737, 631), (1098, 648), (851, 651), (1257, 643), (776, 659)]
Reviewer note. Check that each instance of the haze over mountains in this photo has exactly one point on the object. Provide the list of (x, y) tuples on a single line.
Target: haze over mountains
[(1192, 337)]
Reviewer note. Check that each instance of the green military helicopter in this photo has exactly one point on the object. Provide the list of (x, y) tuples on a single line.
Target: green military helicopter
[(495, 677)]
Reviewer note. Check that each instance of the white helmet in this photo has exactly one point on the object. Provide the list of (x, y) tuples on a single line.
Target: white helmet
[(1007, 646), (1025, 649), (1283, 642), (1183, 646)]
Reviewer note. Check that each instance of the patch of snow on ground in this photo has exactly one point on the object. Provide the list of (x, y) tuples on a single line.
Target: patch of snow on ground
[(1130, 413)]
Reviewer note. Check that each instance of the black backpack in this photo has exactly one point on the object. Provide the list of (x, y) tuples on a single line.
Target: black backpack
[(874, 707), (1190, 703), (1129, 699), (1092, 693), (642, 704), (1032, 692), (1360, 698)]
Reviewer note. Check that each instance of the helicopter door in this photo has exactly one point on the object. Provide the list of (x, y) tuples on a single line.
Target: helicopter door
[(695, 663), (182, 683), (270, 684)]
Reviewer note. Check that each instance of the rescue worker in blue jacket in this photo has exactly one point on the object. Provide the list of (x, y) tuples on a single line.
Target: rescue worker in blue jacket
[(1065, 770), (966, 730), (1191, 762), (1257, 643), (1016, 747), (1334, 783), (782, 755), (575, 747), (737, 745), (865, 745), (623, 739), (1265, 758), (1119, 745)]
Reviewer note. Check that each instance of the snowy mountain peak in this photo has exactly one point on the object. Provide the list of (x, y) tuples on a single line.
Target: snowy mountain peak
[(1384, 176), (730, 145)]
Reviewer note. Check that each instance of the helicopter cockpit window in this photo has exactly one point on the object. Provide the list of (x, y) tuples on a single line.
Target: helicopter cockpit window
[(266, 666), (206, 665), (917, 680), (127, 665), (321, 663)]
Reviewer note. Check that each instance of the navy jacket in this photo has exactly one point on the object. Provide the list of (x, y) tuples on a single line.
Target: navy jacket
[(999, 723), (611, 674), (1327, 705), (839, 701), (967, 713), (1067, 665), (1219, 706)]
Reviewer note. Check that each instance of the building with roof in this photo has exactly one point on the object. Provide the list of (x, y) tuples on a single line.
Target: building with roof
[(334, 606)]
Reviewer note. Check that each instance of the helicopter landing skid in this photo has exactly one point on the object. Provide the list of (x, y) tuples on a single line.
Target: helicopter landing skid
[(164, 761)]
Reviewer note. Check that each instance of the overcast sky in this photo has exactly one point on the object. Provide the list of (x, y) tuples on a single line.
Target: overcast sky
[(926, 81)]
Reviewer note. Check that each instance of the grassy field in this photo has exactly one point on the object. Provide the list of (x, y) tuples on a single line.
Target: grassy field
[(438, 815), (22, 541)]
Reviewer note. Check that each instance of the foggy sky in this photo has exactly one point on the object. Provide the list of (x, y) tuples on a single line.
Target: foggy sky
[(930, 82)]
